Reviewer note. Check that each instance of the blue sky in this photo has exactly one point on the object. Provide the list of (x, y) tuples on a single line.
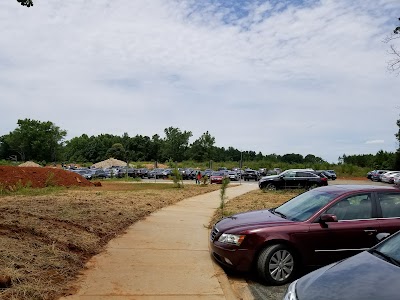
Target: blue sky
[(271, 76)]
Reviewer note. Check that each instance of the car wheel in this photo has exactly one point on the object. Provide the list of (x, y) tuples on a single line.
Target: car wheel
[(312, 186), (276, 264), (270, 187)]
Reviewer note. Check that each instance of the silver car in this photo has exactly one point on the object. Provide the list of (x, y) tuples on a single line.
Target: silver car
[(233, 175)]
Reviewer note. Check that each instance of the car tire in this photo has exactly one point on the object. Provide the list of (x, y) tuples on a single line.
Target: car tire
[(276, 264), (270, 187), (312, 186)]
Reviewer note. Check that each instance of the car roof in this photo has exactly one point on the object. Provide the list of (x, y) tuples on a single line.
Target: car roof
[(358, 187)]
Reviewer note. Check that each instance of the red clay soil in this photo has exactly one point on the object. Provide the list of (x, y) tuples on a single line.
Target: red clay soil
[(39, 177)]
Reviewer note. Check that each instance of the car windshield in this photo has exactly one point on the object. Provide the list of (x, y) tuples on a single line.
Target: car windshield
[(217, 173), (303, 206), (391, 247)]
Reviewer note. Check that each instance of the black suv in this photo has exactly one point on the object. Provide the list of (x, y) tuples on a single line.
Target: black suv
[(293, 179), (250, 174)]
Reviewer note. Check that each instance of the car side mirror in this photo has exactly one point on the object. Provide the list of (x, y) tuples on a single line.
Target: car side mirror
[(326, 218), (381, 236)]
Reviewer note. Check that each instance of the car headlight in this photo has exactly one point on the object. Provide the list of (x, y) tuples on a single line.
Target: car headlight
[(291, 292), (231, 239)]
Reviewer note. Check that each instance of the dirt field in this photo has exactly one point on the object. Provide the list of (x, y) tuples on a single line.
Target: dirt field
[(46, 239)]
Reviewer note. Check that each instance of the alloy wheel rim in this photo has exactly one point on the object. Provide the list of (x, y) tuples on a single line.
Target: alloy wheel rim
[(271, 187), (281, 265)]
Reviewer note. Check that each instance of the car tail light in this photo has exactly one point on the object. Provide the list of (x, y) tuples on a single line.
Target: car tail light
[(324, 179)]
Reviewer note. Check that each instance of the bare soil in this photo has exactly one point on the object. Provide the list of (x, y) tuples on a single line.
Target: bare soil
[(45, 240), (12, 178)]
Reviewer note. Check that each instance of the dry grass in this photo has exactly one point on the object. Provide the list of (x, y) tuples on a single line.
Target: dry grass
[(45, 240), (254, 200)]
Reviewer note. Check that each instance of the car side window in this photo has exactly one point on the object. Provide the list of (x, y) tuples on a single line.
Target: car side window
[(352, 208), (390, 204), (290, 174)]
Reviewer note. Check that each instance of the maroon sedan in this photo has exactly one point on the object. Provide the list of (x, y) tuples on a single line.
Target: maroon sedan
[(313, 229), (217, 177)]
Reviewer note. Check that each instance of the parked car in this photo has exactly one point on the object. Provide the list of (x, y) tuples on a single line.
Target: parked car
[(98, 173), (294, 180), (217, 177), (397, 180), (250, 174), (368, 275), (207, 172), (369, 174), (142, 172), (274, 171), (124, 171), (315, 228), (83, 172), (110, 172), (155, 173), (388, 176), (376, 176), (167, 173), (330, 174), (186, 173), (319, 173), (263, 171), (233, 175)]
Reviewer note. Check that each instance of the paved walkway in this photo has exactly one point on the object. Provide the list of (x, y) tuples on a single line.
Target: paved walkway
[(165, 256)]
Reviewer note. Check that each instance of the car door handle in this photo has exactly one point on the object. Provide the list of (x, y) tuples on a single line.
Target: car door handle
[(370, 231)]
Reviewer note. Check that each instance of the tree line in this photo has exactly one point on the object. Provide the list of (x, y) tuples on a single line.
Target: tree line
[(45, 142)]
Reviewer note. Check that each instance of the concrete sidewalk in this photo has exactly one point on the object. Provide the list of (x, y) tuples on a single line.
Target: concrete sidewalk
[(165, 256)]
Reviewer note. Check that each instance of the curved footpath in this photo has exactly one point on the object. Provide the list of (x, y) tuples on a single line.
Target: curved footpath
[(164, 256)]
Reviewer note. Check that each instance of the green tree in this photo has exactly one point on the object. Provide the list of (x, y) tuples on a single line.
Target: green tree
[(292, 158), (176, 143), (202, 148), (75, 148), (312, 159), (117, 151), (155, 147), (36, 140)]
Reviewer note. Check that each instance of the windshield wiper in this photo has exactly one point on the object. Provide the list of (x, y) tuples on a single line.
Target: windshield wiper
[(280, 214), (386, 257)]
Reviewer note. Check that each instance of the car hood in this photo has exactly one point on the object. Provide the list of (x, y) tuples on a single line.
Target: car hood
[(250, 220), (363, 276)]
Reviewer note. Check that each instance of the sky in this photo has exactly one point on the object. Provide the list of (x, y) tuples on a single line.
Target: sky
[(307, 77)]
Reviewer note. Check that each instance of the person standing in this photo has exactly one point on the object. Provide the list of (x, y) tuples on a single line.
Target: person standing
[(198, 177)]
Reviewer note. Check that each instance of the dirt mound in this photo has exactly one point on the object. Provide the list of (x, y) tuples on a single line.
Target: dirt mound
[(39, 177), (29, 164), (111, 162)]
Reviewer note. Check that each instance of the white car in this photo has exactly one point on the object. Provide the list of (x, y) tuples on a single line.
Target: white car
[(396, 179), (388, 176), (233, 175)]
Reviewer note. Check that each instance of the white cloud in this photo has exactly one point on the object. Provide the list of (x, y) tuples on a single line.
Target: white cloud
[(375, 142), (305, 78)]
